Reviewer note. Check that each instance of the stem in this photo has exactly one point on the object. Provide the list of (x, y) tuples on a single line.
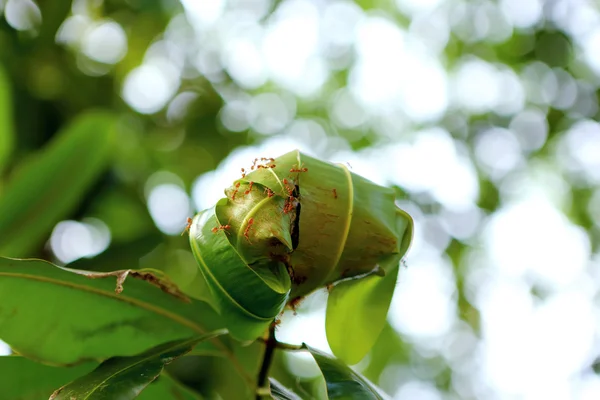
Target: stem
[(285, 346), (263, 376)]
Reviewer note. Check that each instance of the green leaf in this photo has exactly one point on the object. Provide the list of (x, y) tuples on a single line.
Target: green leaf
[(62, 316), (48, 185), (356, 314), (7, 135), (24, 379), (166, 387), (342, 382), (247, 301), (280, 392), (123, 378), (357, 308)]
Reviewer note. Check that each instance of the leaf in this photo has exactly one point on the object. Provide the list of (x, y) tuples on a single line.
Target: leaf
[(292, 225), (356, 314), (7, 135), (123, 378), (280, 392), (246, 300), (342, 382), (62, 316), (48, 185), (165, 387), (24, 379), (357, 308)]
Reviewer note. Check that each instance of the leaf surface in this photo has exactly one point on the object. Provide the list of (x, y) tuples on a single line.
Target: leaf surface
[(24, 379), (342, 382), (247, 301), (280, 392), (7, 135), (62, 316), (357, 308), (124, 378), (356, 314)]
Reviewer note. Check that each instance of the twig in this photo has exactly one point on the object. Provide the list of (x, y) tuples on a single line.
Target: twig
[(285, 346), (262, 384)]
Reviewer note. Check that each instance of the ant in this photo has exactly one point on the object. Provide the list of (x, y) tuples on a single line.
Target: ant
[(243, 173), (269, 192), (295, 303), (334, 193), (187, 226), (237, 187), (299, 170), (250, 222), (249, 188), (220, 228)]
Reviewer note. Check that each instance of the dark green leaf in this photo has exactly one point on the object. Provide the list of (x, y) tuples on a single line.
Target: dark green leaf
[(6, 119), (48, 185), (24, 379), (166, 387), (58, 316), (123, 378), (280, 392), (342, 382), (247, 301)]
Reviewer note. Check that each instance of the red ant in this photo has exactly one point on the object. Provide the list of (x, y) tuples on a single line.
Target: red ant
[(295, 303), (299, 170), (334, 193), (249, 188), (269, 192), (187, 226), (243, 173), (237, 187), (265, 165), (220, 228), (289, 205), (250, 222)]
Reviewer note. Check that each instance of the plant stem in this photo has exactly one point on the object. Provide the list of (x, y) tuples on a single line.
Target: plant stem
[(262, 384), (285, 346)]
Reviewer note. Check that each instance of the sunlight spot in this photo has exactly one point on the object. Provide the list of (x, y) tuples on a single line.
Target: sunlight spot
[(23, 15), (105, 42), (149, 87), (71, 240), (4, 349)]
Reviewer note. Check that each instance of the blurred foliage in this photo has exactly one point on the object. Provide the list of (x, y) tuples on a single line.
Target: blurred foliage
[(63, 87)]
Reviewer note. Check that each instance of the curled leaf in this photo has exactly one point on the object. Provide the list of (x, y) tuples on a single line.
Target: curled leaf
[(290, 226)]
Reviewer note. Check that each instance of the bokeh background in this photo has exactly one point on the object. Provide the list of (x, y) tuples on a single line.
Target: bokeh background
[(482, 114)]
